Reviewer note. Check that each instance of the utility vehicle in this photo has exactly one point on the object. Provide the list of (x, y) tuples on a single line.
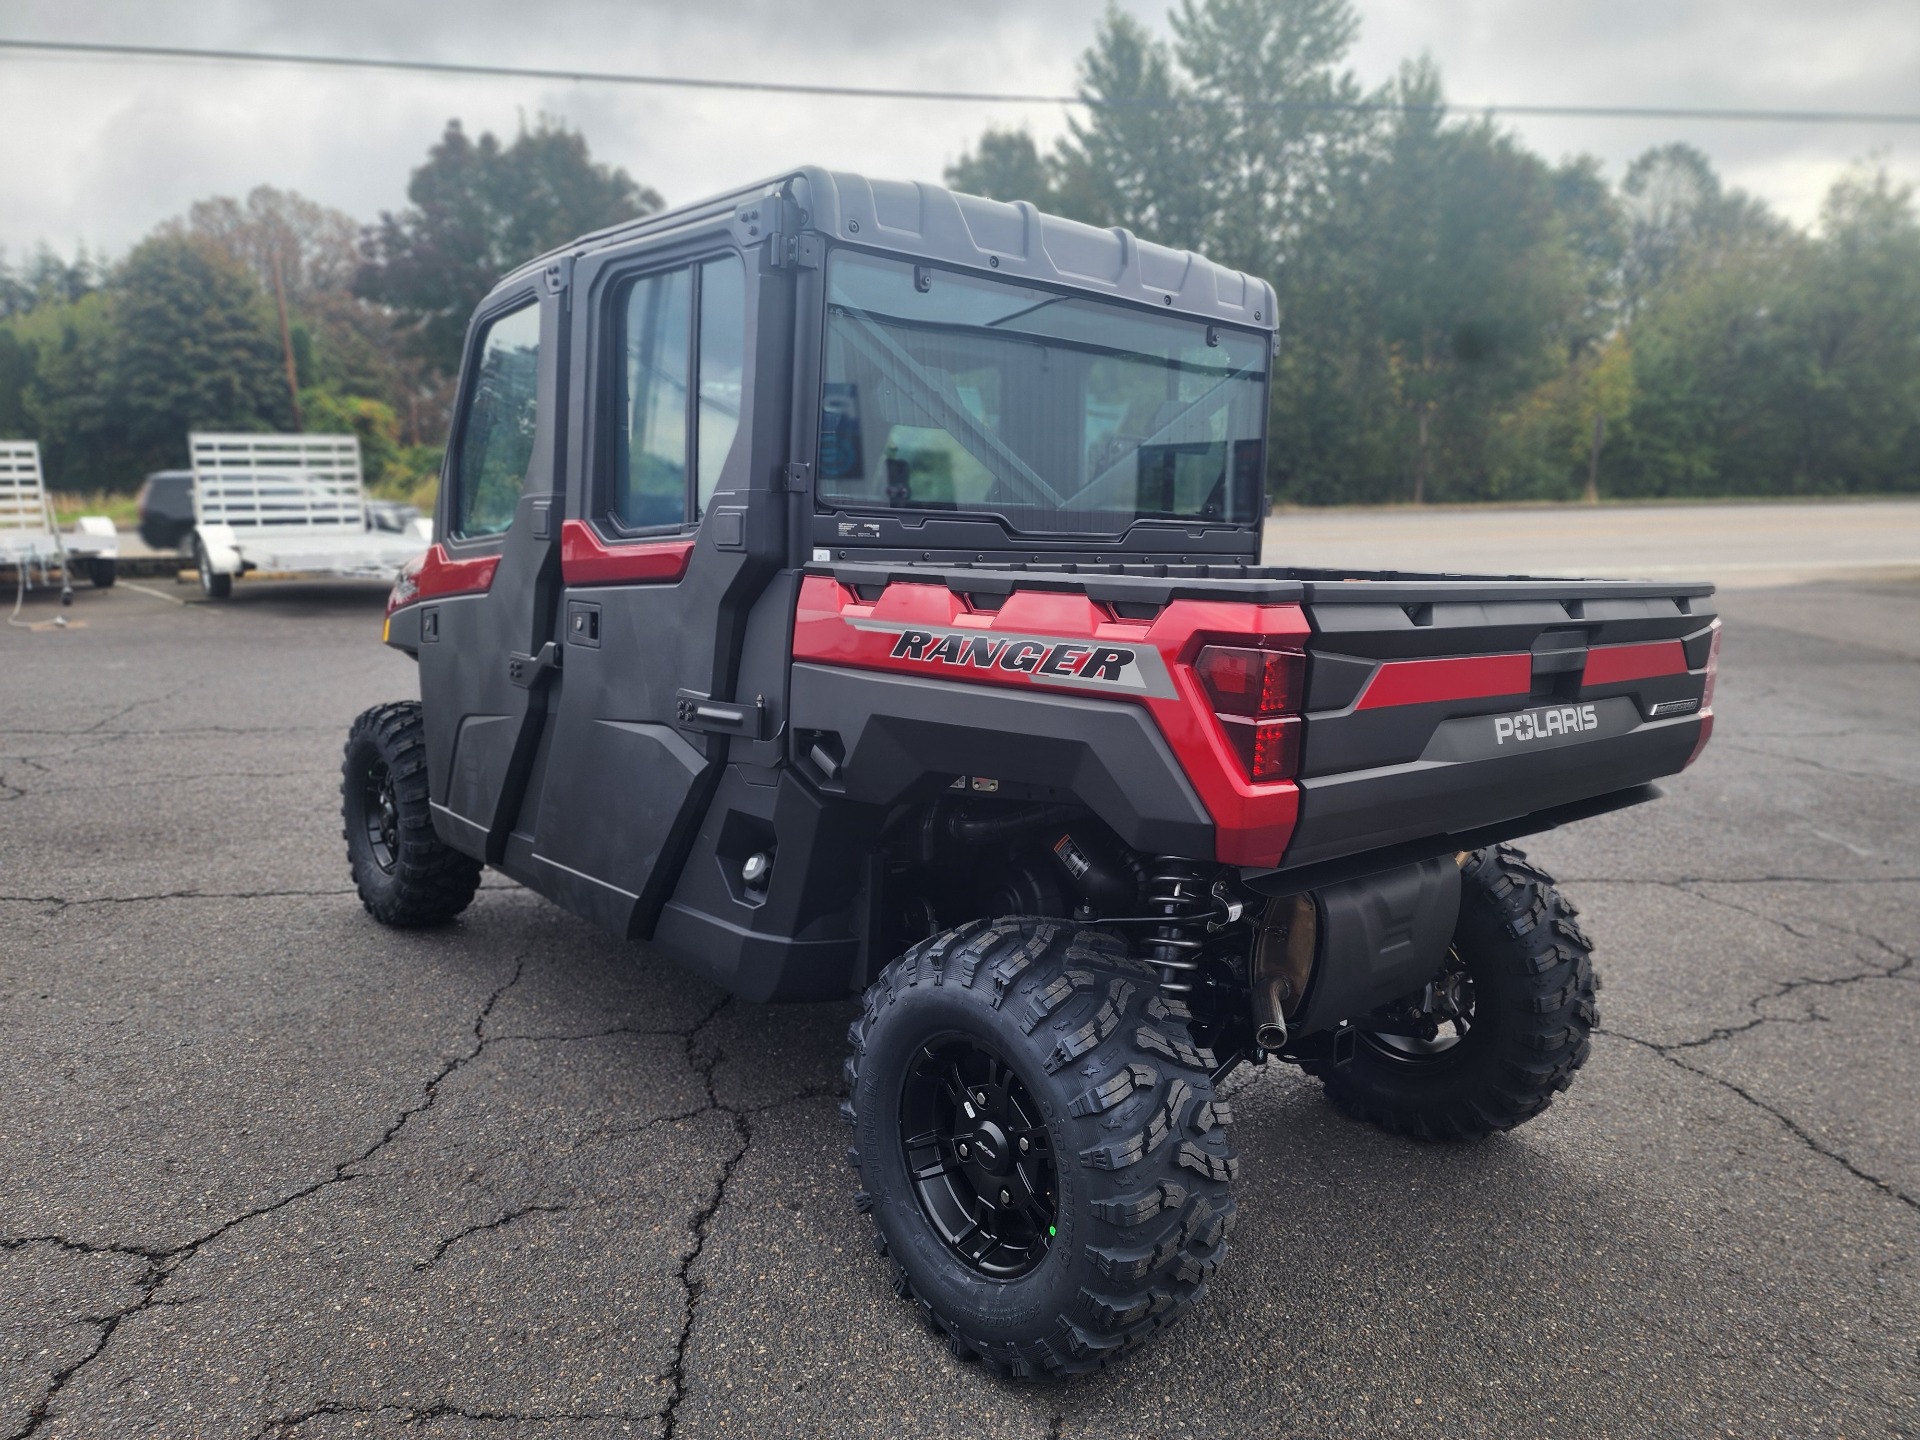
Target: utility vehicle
[(852, 588)]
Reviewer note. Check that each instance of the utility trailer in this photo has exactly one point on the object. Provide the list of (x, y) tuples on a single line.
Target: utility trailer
[(30, 541), (854, 588), (288, 504)]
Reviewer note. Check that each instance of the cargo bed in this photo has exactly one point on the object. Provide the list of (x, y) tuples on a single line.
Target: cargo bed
[(1438, 709)]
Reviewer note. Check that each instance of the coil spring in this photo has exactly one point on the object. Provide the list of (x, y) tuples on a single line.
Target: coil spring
[(1177, 889)]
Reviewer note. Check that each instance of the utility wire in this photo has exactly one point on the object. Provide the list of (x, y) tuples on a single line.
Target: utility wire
[(974, 97)]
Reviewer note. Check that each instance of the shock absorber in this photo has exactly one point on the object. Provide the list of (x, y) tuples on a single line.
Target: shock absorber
[(1177, 889)]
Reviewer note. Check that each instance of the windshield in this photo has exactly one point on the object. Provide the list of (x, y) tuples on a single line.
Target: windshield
[(1060, 415)]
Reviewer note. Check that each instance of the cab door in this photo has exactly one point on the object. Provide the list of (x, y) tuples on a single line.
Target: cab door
[(486, 656), (667, 544)]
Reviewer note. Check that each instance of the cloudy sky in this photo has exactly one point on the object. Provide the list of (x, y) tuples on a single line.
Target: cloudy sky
[(97, 152)]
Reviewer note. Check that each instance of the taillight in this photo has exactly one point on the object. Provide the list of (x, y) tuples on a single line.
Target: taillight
[(1256, 695), (1706, 696), (1713, 668), (1257, 683), (406, 585)]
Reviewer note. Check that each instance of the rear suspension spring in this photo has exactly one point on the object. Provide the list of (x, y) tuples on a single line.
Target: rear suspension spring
[(1178, 890)]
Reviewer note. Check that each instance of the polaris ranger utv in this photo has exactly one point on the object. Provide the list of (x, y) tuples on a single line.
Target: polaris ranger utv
[(853, 588)]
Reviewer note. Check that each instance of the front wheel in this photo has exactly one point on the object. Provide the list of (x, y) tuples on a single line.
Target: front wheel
[(1039, 1143), (1499, 1030), (405, 873), (102, 570)]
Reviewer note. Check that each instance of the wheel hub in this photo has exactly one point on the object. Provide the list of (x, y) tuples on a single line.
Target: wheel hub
[(989, 1148)]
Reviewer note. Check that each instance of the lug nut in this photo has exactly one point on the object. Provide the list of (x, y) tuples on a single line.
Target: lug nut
[(964, 1150), (1006, 1197), (1024, 1146), (979, 1097)]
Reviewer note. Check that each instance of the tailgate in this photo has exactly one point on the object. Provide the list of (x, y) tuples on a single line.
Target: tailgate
[(1436, 708)]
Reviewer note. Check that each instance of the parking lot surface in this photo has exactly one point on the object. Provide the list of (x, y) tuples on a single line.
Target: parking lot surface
[(267, 1169)]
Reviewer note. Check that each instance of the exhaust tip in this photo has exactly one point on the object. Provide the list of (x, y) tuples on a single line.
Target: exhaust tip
[(1271, 1037)]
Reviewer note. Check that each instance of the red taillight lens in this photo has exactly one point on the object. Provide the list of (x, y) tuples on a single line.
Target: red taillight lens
[(1270, 749), (1257, 683)]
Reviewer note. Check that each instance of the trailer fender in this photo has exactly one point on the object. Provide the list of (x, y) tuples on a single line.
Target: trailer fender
[(222, 547), (95, 535)]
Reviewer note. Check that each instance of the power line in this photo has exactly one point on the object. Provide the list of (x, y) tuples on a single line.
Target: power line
[(974, 97)]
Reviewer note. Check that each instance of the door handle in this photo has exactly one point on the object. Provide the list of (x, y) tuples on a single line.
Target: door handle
[(695, 711)]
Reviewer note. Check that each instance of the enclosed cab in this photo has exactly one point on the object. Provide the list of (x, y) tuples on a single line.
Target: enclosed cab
[(853, 587)]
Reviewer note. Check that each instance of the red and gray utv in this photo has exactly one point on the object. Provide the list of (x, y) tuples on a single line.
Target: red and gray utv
[(853, 588)]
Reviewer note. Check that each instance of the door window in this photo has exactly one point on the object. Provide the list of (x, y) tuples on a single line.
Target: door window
[(650, 481), (679, 391), (496, 434), (723, 337)]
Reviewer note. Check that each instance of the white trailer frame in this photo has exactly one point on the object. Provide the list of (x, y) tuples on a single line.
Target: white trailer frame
[(288, 504), (30, 540)]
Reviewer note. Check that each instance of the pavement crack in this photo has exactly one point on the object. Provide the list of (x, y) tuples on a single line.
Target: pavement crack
[(1792, 1126), (1875, 776), (500, 1224), (691, 1284), (163, 1264), (62, 903), (445, 1410), (1900, 968)]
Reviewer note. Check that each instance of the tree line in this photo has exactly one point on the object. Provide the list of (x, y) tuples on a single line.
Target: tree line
[(1463, 320), (277, 313), (1460, 319)]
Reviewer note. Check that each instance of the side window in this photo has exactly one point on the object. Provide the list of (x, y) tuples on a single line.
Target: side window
[(650, 465), (496, 434), (723, 335)]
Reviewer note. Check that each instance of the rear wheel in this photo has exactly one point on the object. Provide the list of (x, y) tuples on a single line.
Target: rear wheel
[(1039, 1143), (102, 570), (1498, 1031), (405, 873)]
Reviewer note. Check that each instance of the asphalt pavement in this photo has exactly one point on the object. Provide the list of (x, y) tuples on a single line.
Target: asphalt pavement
[(267, 1169)]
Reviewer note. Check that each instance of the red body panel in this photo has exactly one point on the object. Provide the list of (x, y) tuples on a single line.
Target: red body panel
[(1252, 823), (1463, 677), (439, 575), (586, 559), (1618, 664)]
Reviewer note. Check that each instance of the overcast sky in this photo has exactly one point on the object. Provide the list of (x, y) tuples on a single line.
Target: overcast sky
[(97, 152)]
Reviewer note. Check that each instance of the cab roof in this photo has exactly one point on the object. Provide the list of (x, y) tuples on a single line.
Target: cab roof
[(915, 220)]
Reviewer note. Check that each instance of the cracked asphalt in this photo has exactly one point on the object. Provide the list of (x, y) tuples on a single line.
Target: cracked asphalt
[(267, 1170)]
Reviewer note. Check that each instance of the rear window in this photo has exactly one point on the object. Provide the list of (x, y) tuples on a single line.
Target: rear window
[(1057, 414)]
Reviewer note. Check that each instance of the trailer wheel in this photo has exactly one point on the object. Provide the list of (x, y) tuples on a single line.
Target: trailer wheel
[(102, 570), (1512, 1011), (405, 874), (214, 587), (1039, 1144)]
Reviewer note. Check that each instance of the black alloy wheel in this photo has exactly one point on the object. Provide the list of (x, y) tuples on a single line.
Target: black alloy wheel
[(1443, 1016), (405, 873), (977, 1151), (380, 813)]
